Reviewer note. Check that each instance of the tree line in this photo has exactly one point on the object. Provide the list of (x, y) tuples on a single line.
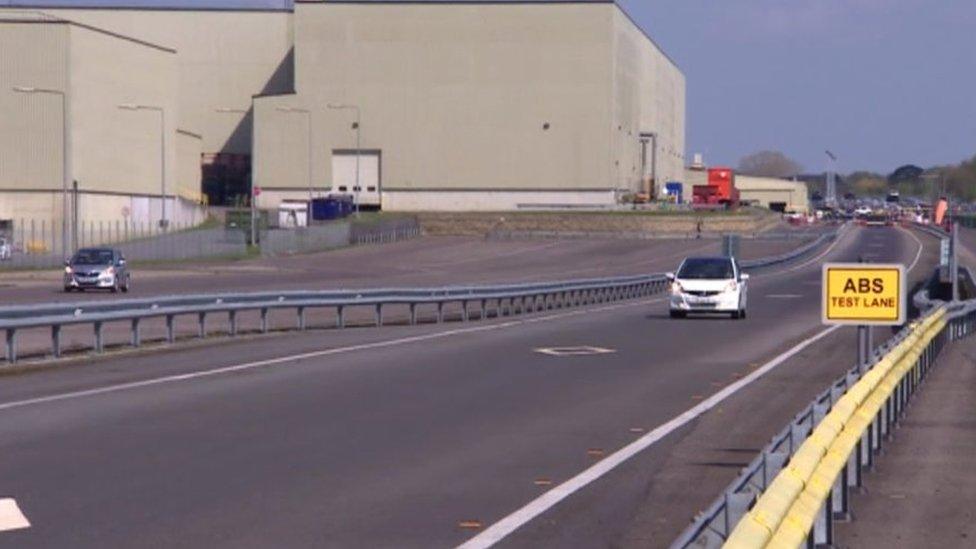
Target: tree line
[(955, 180)]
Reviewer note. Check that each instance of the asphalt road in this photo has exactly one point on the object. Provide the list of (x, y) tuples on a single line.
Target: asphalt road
[(394, 437), (430, 261), (419, 263)]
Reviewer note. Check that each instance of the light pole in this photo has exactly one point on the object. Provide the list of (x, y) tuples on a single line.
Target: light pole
[(65, 160), (831, 180), (163, 222), (308, 120), (336, 106)]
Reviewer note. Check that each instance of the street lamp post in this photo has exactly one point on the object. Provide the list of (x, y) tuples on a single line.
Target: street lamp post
[(308, 119), (163, 222), (66, 249), (358, 145)]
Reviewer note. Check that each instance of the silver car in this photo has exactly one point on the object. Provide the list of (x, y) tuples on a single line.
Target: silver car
[(96, 268)]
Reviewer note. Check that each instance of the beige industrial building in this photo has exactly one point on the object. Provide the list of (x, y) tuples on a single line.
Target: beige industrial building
[(782, 195), (463, 105), (63, 122), (471, 106)]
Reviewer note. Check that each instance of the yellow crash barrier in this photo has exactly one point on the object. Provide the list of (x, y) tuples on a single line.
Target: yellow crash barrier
[(785, 513)]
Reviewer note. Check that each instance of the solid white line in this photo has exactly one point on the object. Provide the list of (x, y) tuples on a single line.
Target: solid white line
[(11, 518), (339, 350), (844, 231), (920, 247), (501, 529), (315, 354)]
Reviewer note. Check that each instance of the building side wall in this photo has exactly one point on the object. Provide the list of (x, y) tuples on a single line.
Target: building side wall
[(765, 190), (648, 97), (31, 131), (189, 149), (225, 57), (116, 150), (455, 96)]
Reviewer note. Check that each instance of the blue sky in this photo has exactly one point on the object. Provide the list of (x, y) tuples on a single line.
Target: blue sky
[(879, 82)]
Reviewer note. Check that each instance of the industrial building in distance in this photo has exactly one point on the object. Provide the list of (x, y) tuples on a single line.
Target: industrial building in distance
[(460, 105)]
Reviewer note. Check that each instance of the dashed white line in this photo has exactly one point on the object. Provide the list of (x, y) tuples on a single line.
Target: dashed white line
[(11, 517), (503, 528)]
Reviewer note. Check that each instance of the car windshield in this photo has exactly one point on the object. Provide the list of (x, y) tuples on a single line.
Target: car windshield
[(92, 257), (706, 269)]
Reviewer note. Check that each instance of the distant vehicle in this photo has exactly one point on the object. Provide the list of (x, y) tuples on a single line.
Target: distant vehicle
[(894, 197), (863, 211), (708, 285), (878, 220), (720, 192), (6, 250), (97, 268)]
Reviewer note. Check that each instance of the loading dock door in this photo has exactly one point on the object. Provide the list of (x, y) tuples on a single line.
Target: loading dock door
[(344, 175)]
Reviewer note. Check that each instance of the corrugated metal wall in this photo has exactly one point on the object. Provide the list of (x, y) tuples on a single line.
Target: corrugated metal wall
[(32, 55)]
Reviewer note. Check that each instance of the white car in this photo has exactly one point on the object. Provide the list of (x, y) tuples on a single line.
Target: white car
[(5, 250), (708, 285)]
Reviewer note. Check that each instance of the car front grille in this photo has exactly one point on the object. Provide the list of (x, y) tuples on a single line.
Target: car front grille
[(703, 294)]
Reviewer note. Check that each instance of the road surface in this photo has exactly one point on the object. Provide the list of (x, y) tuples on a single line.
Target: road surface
[(421, 436)]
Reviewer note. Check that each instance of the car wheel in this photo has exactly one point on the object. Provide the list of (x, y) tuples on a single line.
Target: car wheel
[(678, 314), (67, 289), (125, 287), (742, 313), (735, 315)]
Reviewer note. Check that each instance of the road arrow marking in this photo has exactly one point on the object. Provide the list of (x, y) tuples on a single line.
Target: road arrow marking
[(11, 518)]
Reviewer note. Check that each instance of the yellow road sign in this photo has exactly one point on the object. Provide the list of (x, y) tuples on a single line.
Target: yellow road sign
[(864, 294)]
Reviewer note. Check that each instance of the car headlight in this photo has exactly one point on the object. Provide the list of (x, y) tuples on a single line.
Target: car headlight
[(109, 272), (731, 286), (676, 287), (67, 270)]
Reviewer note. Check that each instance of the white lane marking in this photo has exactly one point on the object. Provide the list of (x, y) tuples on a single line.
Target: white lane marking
[(784, 296), (11, 517), (327, 352), (315, 354), (501, 529), (920, 247), (584, 350), (843, 233)]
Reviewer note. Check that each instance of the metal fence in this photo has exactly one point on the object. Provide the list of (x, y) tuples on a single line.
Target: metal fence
[(337, 235), (38, 243), (792, 492), (496, 300)]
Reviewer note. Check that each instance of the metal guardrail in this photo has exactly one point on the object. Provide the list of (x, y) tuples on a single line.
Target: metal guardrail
[(508, 300), (797, 486)]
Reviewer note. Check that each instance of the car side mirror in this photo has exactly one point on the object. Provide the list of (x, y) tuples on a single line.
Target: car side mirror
[(669, 276), (743, 277)]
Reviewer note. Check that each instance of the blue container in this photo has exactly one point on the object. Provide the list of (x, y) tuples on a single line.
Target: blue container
[(675, 189), (325, 209)]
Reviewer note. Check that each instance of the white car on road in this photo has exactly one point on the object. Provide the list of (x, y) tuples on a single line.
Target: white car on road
[(708, 285)]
